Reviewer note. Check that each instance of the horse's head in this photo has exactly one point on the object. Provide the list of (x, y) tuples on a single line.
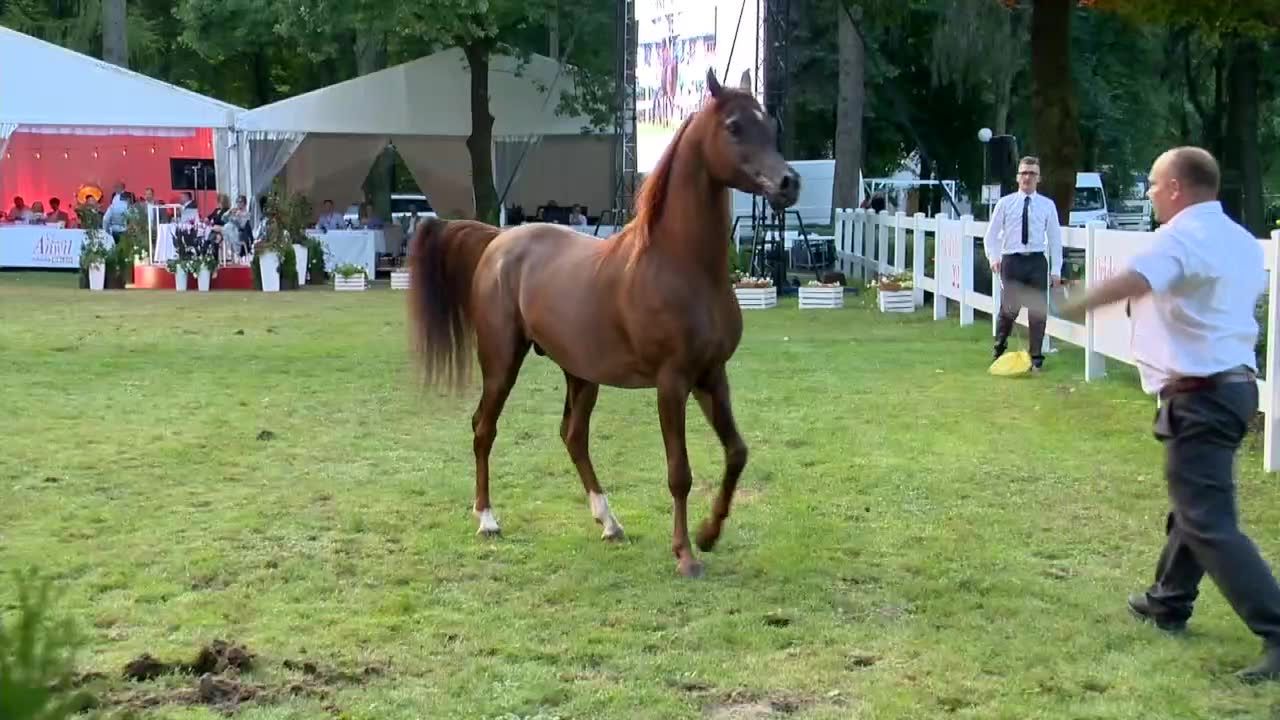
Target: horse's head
[(741, 149)]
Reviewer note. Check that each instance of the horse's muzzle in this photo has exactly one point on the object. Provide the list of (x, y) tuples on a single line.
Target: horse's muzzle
[(786, 191)]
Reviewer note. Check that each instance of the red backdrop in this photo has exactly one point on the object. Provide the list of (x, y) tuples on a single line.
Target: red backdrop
[(67, 161)]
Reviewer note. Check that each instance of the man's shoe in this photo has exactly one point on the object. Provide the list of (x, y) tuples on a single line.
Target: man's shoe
[(1266, 669), (1142, 608)]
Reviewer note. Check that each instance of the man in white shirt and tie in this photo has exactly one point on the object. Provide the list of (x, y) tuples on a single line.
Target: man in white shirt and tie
[(1024, 245), (1193, 295)]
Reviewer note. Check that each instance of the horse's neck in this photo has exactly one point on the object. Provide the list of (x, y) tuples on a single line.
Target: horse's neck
[(694, 225)]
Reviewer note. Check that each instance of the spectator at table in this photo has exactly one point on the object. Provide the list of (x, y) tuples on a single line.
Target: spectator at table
[(330, 219), (37, 213), (56, 214), (576, 217), (19, 213)]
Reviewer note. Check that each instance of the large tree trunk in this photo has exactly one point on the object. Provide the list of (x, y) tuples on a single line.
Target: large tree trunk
[(849, 108), (1243, 160), (1057, 117), (115, 33), (480, 142), (371, 56)]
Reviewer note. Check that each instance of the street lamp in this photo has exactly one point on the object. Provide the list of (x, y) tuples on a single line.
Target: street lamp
[(984, 137)]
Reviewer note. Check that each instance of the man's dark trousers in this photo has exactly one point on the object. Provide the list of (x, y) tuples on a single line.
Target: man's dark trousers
[(1201, 432), (1030, 270)]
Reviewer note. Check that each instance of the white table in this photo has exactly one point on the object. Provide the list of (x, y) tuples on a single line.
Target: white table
[(41, 246), (358, 247)]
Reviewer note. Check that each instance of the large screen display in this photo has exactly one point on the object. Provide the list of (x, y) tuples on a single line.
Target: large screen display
[(678, 40)]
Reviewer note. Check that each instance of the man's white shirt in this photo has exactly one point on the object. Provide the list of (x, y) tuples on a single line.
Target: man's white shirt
[(1206, 273), (1004, 232)]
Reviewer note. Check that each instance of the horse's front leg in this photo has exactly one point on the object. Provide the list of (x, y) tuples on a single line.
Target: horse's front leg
[(713, 396), (673, 399)]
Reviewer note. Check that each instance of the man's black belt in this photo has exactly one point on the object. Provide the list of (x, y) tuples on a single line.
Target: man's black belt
[(1190, 384)]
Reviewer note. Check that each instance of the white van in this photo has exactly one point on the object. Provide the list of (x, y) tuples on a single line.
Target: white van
[(1091, 200)]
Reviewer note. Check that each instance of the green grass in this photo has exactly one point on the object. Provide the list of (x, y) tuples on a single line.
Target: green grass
[(912, 538)]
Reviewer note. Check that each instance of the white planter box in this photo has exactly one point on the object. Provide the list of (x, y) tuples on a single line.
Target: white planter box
[(399, 279), (899, 301), (269, 266), (354, 283), (97, 276), (180, 280), (756, 298), (202, 279), (300, 263), (824, 298)]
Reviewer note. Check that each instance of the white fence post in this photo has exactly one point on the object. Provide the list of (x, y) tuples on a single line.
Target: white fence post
[(966, 271), (1095, 364), (882, 241), (939, 300), (917, 259), (859, 241), (899, 241), (1270, 446)]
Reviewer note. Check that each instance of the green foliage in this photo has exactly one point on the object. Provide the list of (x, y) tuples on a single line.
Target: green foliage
[(37, 656), (348, 270)]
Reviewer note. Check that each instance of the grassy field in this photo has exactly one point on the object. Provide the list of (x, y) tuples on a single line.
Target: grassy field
[(912, 538)]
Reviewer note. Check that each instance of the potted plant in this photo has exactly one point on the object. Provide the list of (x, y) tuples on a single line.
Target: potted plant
[(349, 276), (754, 292), (205, 257), (400, 278), (895, 293), (93, 258), (186, 246), (820, 295)]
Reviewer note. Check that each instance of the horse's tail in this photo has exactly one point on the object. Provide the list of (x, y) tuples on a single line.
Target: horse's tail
[(443, 256)]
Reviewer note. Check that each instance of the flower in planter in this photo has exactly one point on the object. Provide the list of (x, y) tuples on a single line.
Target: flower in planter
[(349, 270), (753, 282), (816, 284), (894, 283)]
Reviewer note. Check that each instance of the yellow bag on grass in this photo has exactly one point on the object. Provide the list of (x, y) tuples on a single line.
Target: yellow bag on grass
[(1011, 364)]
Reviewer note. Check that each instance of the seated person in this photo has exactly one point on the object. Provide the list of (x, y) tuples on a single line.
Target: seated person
[(330, 219), (20, 213), (37, 213), (56, 214), (218, 217), (368, 219), (576, 217)]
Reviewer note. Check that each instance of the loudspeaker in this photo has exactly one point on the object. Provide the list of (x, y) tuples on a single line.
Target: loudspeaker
[(1002, 163)]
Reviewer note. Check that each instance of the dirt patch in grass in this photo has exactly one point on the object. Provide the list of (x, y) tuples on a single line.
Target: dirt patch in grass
[(216, 681)]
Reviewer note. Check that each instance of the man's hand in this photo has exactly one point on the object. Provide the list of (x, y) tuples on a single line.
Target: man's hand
[(1072, 311), (995, 267), (1055, 281)]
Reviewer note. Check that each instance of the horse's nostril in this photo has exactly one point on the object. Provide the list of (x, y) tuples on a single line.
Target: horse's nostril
[(786, 182)]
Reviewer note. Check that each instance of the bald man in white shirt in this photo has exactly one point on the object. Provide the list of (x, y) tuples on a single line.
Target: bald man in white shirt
[(1193, 296), (1023, 244)]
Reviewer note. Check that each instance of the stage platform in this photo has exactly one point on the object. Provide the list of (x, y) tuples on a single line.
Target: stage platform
[(158, 277)]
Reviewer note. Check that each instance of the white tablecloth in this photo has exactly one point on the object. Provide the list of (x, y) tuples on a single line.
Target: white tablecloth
[(350, 246), (164, 244), (40, 246)]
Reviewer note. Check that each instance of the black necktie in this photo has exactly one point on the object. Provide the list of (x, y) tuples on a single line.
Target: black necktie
[(1026, 219)]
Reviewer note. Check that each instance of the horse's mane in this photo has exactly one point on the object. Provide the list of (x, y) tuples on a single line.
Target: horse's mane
[(638, 234)]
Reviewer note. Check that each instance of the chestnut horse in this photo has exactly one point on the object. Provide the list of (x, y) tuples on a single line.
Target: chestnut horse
[(649, 307)]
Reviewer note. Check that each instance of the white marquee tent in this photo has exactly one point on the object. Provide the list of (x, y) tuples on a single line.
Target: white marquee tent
[(47, 89), (325, 141)]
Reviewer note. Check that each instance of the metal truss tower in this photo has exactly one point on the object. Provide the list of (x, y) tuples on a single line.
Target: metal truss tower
[(625, 115)]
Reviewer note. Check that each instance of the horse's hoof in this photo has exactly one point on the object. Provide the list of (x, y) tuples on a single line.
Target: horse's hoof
[(489, 532), (691, 570), (707, 536), (613, 535)]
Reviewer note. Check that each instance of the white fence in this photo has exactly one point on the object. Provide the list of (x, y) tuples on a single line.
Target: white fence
[(868, 244)]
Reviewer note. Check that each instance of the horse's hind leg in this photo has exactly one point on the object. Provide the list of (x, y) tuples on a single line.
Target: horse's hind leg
[(713, 396), (500, 361), (575, 430)]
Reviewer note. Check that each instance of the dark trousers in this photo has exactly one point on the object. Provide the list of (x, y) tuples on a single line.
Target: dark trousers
[(1201, 432), (1032, 271)]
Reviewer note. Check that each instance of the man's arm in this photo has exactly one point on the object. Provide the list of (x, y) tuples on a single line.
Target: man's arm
[(994, 228), (1053, 236), (1127, 286)]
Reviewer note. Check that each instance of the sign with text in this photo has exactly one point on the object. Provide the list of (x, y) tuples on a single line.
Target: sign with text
[(36, 246), (1113, 250), (949, 251)]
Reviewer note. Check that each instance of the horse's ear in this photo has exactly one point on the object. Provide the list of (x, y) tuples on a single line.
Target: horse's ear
[(745, 83), (712, 83)]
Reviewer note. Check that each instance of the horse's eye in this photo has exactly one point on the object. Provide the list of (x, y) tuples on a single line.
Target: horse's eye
[(734, 127)]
